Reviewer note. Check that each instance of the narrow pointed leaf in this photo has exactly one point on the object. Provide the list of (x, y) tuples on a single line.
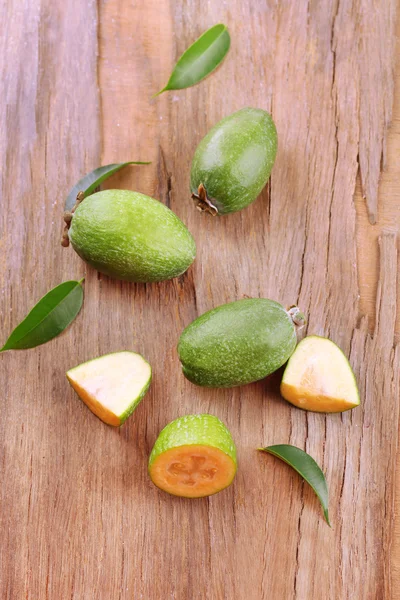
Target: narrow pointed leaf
[(305, 466), (92, 180), (200, 59), (51, 315)]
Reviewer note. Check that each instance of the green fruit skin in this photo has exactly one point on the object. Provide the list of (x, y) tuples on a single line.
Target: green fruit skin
[(237, 343), (234, 160), (130, 236), (136, 403), (194, 429), (127, 413)]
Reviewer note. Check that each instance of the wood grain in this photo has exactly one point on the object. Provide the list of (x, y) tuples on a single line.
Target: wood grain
[(79, 517), (389, 213)]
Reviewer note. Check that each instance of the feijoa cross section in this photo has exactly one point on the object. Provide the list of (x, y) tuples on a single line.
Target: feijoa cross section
[(318, 377), (112, 385), (194, 456)]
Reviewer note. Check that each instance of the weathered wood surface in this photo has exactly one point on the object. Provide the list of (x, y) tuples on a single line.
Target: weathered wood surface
[(79, 517)]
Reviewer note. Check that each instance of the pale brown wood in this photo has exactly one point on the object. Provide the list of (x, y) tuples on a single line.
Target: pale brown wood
[(389, 213), (79, 517), (376, 44), (368, 253), (49, 136)]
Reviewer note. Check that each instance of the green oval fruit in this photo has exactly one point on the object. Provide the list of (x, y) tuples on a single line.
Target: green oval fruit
[(194, 456), (238, 343), (233, 161), (131, 236)]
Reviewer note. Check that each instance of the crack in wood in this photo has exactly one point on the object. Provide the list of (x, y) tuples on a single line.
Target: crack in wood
[(375, 48), (165, 179)]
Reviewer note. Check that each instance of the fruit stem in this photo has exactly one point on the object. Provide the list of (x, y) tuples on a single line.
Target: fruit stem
[(68, 218), (297, 316), (203, 202)]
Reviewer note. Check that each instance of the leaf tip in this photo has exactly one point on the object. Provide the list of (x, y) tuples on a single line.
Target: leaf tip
[(81, 281), (158, 93), (218, 26)]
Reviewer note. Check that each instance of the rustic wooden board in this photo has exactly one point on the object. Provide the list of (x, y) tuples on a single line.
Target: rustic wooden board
[(79, 517)]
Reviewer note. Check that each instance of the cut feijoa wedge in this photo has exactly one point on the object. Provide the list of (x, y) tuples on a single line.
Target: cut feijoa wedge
[(318, 377), (194, 456), (112, 385)]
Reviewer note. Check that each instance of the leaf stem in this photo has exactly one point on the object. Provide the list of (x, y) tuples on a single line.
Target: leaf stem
[(158, 93), (68, 215)]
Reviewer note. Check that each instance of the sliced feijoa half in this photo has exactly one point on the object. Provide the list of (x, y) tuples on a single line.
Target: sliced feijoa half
[(318, 377), (194, 456), (112, 385)]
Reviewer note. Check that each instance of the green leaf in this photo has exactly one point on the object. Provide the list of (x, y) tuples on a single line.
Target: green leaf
[(92, 180), (200, 59), (51, 315), (306, 466)]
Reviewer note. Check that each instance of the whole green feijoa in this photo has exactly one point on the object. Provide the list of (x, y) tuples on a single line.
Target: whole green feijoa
[(238, 343), (131, 236), (233, 161)]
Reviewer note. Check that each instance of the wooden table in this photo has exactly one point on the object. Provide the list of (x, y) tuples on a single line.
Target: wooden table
[(79, 517)]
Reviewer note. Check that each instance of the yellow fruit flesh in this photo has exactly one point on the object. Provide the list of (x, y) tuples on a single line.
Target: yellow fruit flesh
[(110, 384), (95, 406), (318, 377), (310, 400), (193, 471)]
